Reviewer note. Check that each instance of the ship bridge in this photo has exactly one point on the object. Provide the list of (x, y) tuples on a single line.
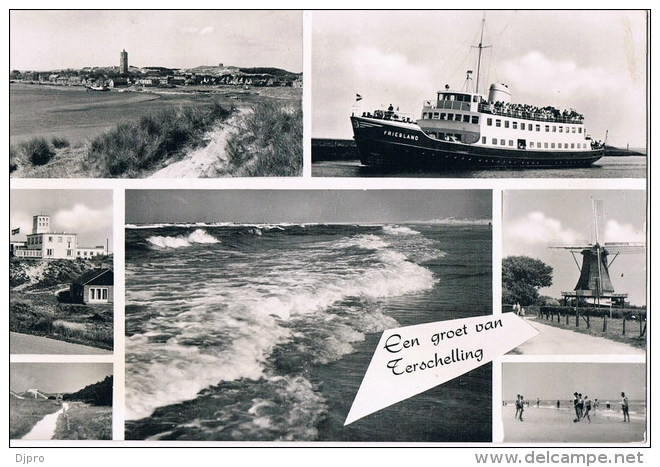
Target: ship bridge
[(453, 116)]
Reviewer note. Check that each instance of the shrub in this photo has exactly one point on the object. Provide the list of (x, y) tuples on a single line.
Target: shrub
[(13, 159), (59, 143), (38, 151)]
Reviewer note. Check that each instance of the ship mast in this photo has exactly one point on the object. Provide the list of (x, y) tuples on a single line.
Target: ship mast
[(480, 47)]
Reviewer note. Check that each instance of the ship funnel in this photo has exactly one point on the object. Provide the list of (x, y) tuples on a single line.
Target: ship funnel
[(499, 92)]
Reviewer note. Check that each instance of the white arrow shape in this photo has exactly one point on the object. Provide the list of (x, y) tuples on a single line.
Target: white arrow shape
[(414, 359)]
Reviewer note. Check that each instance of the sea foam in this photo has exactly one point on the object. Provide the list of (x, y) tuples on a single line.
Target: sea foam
[(198, 236)]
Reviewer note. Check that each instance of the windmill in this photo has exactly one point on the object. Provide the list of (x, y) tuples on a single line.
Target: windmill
[(594, 284)]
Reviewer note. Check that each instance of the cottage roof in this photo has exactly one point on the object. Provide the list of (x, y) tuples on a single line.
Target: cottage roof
[(101, 276)]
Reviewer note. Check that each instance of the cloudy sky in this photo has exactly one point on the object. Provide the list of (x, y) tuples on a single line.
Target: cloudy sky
[(592, 61), (535, 219), (274, 206), (47, 40), (85, 212), (561, 380), (57, 377)]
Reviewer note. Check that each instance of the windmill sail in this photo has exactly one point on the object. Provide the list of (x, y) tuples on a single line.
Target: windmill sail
[(594, 283)]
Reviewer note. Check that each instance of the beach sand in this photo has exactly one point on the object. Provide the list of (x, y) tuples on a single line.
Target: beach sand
[(551, 425)]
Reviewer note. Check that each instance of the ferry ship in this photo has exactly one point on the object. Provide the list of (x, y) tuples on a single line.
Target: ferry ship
[(461, 129)]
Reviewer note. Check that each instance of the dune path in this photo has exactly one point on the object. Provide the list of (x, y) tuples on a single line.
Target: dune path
[(45, 428), (552, 340)]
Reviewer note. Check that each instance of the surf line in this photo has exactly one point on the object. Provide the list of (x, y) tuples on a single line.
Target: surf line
[(456, 355)]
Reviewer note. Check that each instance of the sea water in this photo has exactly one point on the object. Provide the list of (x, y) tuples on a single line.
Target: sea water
[(607, 167), (264, 332)]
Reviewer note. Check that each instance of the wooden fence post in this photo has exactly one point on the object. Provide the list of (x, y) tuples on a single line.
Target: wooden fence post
[(604, 323)]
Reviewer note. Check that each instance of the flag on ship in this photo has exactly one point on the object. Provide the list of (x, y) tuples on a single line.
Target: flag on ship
[(15, 231), (358, 97)]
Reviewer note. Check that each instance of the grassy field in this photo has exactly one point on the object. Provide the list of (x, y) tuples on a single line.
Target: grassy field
[(85, 422), (25, 413), (144, 132), (34, 307)]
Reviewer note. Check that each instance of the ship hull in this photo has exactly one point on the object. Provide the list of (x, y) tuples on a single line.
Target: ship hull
[(382, 143)]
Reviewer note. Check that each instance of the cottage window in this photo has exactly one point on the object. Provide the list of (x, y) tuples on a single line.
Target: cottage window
[(561, 129), (489, 121), (498, 123), (531, 145), (510, 142), (503, 142), (522, 125), (49, 252), (515, 125), (552, 145), (572, 145), (554, 128), (580, 130), (547, 128), (483, 140), (494, 140), (545, 145), (475, 119), (466, 119), (538, 127)]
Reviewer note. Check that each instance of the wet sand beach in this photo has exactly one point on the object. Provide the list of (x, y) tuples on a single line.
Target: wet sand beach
[(551, 425)]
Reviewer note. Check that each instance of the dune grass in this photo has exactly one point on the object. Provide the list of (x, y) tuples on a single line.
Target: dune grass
[(84, 421), (59, 142), (267, 141), (13, 159), (136, 148), (37, 151)]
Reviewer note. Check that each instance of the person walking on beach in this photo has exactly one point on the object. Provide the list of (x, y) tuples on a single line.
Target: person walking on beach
[(518, 407), (587, 408), (522, 407), (580, 406), (576, 400), (624, 407)]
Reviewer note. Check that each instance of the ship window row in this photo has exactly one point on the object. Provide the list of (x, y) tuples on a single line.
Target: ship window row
[(452, 117), (531, 127), (457, 97), (537, 145), (446, 136)]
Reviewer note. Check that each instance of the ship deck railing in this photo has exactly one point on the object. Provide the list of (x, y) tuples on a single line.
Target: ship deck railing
[(534, 116), (391, 116)]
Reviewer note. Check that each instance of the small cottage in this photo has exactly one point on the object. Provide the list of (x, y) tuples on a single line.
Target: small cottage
[(93, 287)]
